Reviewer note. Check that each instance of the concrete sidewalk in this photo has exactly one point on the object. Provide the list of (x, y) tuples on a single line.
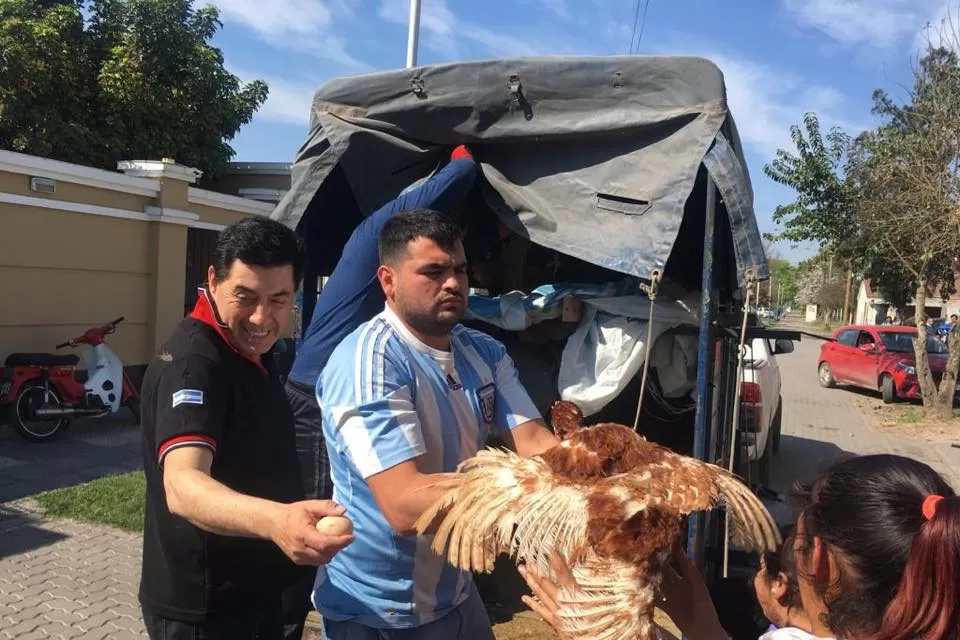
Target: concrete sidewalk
[(64, 579), (58, 578)]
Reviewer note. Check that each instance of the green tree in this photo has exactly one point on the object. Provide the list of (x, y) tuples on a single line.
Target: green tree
[(823, 210), (830, 297), (47, 82), (136, 79), (908, 179), (783, 274)]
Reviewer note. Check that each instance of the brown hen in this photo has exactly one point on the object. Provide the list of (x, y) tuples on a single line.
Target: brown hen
[(609, 501)]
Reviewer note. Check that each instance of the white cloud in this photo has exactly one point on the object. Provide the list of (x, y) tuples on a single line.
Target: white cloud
[(278, 18), (942, 29), (288, 102), (443, 32), (558, 7), (874, 23), (507, 45), (766, 102), (298, 25), (437, 22)]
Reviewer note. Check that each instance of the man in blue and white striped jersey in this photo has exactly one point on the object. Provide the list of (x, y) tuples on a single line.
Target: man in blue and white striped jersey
[(409, 394)]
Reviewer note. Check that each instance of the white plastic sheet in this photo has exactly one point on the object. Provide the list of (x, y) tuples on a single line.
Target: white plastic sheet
[(608, 349)]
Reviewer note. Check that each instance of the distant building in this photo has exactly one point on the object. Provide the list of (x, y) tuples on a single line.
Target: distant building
[(873, 309)]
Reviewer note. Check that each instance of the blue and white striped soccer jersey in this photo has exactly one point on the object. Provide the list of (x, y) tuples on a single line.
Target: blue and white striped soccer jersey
[(388, 398)]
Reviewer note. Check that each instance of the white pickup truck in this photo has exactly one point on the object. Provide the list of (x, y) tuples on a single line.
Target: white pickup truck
[(761, 407)]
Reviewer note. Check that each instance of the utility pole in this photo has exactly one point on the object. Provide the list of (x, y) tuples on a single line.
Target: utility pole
[(413, 34)]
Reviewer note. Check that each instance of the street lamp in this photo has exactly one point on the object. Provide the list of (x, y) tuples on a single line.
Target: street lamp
[(413, 35)]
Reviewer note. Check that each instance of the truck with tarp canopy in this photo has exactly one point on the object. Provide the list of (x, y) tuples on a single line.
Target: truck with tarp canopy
[(624, 182)]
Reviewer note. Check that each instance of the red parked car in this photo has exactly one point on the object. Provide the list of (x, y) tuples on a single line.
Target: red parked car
[(878, 358)]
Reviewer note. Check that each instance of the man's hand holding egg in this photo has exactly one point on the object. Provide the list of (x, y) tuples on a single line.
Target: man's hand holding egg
[(311, 532), (335, 526)]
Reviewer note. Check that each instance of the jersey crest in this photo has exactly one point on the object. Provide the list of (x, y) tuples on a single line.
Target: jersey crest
[(488, 398)]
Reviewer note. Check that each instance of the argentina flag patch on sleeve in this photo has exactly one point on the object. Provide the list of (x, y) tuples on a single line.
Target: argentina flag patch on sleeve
[(187, 396)]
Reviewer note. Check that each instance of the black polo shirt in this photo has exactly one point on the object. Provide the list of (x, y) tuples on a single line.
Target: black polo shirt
[(199, 390)]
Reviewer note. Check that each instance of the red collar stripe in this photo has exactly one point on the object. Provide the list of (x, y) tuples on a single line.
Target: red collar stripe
[(206, 312)]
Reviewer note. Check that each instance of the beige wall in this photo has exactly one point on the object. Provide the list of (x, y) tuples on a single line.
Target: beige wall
[(63, 271), (216, 215), (20, 184)]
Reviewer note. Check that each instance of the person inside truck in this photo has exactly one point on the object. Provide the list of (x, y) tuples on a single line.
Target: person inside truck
[(877, 550)]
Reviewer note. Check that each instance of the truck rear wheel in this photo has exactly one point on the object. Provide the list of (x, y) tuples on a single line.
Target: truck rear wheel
[(776, 426)]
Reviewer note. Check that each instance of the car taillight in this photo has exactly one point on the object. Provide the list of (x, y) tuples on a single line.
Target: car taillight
[(750, 393), (751, 407)]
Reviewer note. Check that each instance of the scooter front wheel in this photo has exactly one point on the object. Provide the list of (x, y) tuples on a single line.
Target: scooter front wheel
[(31, 396)]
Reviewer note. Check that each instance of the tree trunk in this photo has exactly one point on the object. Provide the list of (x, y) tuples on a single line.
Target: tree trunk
[(846, 297), (948, 385), (928, 387)]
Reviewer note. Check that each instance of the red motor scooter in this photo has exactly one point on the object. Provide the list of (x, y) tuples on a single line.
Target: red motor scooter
[(45, 391)]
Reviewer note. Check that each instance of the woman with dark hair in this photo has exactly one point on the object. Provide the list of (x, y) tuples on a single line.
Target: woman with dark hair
[(877, 551)]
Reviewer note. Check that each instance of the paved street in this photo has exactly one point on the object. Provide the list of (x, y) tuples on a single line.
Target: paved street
[(822, 425), (60, 579)]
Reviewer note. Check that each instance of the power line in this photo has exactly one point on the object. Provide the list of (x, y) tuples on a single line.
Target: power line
[(639, 22), (633, 34)]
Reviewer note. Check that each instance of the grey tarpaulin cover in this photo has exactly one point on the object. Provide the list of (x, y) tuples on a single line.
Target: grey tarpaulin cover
[(595, 157)]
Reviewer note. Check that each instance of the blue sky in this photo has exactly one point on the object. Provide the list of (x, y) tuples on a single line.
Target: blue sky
[(780, 58)]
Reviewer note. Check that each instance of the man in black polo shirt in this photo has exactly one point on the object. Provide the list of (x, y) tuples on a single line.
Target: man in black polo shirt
[(226, 524)]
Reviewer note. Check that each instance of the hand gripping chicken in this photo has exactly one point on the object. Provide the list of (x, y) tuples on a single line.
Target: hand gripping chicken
[(609, 501)]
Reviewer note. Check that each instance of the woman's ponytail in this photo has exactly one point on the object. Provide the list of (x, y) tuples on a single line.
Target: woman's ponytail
[(927, 603)]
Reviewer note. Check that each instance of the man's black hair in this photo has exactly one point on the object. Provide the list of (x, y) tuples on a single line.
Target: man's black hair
[(407, 226), (260, 242)]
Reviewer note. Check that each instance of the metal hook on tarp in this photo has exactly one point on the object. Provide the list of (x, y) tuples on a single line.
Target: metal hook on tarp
[(517, 99), (416, 84)]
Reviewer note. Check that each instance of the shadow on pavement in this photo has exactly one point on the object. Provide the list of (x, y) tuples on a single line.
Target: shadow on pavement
[(800, 459), (21, 532), (87, 450)]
